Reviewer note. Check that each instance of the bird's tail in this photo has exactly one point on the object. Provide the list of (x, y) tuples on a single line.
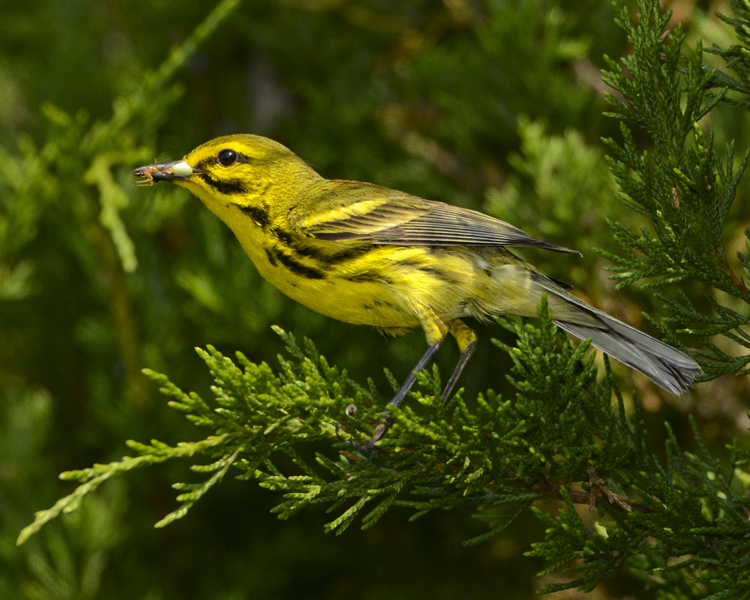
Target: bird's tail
[(666, 366)]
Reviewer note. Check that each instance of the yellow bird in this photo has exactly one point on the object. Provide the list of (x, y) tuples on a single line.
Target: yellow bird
[(370, 255)]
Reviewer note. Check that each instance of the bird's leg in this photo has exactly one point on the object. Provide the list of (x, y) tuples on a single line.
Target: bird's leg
[(406, 386), (435, 331), (387, 421), (467, 344)]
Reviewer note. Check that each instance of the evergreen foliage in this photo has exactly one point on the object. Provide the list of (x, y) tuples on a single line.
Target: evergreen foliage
[(496, 457), (98, 278), (685, 189)]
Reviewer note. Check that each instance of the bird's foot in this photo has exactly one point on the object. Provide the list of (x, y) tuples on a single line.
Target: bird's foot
[(369, 445)]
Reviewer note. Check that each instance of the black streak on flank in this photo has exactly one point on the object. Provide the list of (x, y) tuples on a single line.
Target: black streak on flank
[(257, 214), (271, 257), (335, 258), (327, 259), (293, 265), (437, 273), (288, 240), (369, 277), (284, 236), (344, 255)]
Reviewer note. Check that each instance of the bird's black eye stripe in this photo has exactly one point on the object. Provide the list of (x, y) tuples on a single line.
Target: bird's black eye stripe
[(228, 157)]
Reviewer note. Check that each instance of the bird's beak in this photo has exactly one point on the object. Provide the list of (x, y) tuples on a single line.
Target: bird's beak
[(168, 171)]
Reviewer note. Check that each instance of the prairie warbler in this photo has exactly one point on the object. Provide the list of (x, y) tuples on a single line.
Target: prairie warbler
[(370, 255)]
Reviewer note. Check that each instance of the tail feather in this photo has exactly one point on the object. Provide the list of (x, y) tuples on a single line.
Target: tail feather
[(666, 366)]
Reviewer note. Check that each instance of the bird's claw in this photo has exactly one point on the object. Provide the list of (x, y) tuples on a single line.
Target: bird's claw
[(369, 445)]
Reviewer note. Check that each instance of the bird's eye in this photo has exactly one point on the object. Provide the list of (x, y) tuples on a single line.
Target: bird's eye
[(228, 157)]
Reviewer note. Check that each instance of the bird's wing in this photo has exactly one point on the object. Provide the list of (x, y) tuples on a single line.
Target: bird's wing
[(353, 211)]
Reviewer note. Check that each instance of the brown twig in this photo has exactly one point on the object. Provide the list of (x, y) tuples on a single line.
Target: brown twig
[(598, 490)]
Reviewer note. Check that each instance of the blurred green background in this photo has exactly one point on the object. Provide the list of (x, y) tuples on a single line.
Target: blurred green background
[(490, 104)]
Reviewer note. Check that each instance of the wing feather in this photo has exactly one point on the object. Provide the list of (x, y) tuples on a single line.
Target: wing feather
[(352, 211)]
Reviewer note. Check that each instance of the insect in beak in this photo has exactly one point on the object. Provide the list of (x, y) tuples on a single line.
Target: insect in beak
[(167, 171)]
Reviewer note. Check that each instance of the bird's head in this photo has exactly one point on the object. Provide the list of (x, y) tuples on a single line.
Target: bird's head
[(242, 170)]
